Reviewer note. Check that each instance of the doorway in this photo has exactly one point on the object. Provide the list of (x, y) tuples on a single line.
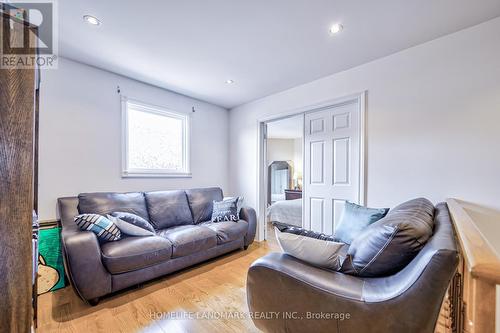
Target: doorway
[(333, 164), (284, 142)]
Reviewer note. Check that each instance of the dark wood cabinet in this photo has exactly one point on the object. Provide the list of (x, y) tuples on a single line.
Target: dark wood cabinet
[(18, 142), (293, 194)]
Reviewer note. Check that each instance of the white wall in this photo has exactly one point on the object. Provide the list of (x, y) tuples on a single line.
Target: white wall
[(433, 120), (280, 150), (297, 156), (80, 135)]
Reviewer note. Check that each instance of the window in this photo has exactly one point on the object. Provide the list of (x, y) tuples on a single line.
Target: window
[(155, 141)]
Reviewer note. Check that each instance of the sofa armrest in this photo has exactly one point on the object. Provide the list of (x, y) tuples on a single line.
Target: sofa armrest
[(248, 214), (82, 255), (334, 283), (304, 298)]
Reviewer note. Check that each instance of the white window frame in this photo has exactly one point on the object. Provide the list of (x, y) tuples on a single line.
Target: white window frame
[(186, 141)]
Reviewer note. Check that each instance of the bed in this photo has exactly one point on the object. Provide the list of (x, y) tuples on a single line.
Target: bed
[(286, 211)]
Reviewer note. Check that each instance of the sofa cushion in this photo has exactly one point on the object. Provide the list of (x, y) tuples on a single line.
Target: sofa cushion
[(168, 209), (189, 239), (201, 202), (132, 253), (106, 203), (228, 231), (388, 245)]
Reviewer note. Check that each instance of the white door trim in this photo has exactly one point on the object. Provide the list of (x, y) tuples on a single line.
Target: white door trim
[(261, 158)]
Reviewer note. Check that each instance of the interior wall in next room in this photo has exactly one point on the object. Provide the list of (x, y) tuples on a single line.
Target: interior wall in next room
[(80, 135), (280, 150)]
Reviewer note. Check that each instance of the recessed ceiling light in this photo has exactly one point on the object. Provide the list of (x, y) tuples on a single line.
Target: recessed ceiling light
[(336, 28), (229, 81), (91, 20)]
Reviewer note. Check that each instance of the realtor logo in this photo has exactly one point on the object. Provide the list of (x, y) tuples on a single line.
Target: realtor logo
[(34, 25)]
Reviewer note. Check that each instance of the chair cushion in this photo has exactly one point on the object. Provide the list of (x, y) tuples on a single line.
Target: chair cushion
[(189, 239), (228, 231), (132, 253), (168, 209), (388, 245), (355, 219), (106, 203), (201, 202)]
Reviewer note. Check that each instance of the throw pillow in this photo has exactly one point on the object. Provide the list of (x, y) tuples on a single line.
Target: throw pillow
[(130, 228), (283, 227), (225, 210), (355, 219), (315, 250), (103, 227), (388, 245), (239, 202), (135, 220)]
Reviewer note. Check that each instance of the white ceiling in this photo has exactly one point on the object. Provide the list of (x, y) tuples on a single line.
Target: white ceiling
[(288, 128), (194, 46)]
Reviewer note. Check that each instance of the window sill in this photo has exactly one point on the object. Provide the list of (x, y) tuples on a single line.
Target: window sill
[(155, 175)]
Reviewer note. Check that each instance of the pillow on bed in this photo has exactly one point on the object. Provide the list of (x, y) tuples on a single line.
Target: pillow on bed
[(309, 246)]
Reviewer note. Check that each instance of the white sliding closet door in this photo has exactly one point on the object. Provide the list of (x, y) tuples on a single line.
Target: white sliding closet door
[(332, 164)]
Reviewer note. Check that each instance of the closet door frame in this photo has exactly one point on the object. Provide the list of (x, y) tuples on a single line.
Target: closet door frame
[(360, 97)]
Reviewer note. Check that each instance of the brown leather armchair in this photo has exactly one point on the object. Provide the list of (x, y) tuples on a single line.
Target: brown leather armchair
[(298, 297)]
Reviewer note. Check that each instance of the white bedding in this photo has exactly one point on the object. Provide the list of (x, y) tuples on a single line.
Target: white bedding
[(287, 211)]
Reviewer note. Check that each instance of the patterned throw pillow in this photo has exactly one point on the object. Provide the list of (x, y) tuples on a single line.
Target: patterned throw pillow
[(239, 202), (225, 210), (104, 228), (291, 229)]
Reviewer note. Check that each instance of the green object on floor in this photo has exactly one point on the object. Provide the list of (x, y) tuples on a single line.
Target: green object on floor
[(50, 261)]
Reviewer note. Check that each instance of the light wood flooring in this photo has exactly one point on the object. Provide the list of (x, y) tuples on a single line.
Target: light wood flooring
[(217, 286)]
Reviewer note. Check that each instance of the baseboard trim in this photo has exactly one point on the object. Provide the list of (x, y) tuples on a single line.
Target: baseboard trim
[(49, 224)]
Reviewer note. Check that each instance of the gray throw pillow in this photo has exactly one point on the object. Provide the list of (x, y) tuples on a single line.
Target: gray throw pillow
[(239, 202), (355, 219), (226, 210), (314, 250), (132, 224)]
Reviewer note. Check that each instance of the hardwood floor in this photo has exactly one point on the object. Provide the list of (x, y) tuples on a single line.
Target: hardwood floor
[(210, 289)]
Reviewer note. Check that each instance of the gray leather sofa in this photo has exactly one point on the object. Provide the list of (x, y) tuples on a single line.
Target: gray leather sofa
[(303, 298), (184, 236)]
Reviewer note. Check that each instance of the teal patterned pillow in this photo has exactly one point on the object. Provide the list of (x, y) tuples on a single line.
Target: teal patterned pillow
[(103, 227), (355, 219)]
